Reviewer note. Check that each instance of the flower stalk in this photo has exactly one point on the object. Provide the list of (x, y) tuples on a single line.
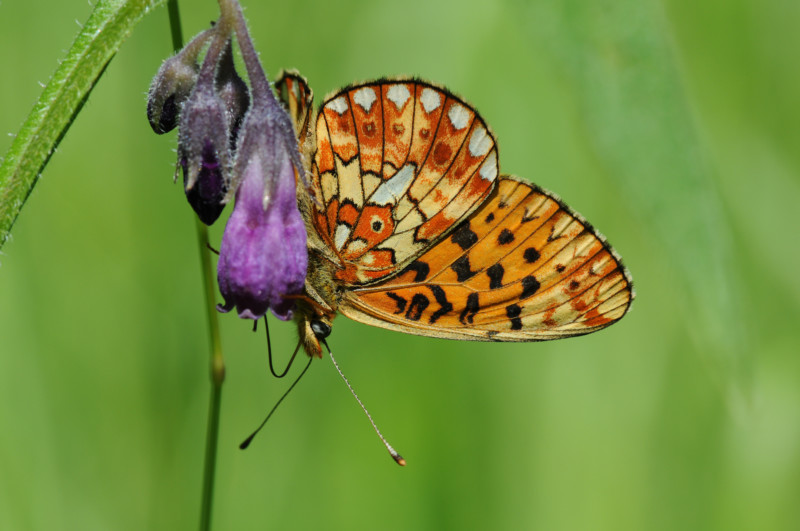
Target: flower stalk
[(215, 343)]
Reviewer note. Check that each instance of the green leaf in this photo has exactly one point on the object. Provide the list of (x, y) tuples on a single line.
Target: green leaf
[(108, 26)]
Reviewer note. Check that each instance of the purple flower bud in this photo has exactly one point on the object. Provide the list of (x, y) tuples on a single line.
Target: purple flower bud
[(263, 254), (208, 193), (169, 90), (233, 91), (203, 152), (203, 141), (172, 85)]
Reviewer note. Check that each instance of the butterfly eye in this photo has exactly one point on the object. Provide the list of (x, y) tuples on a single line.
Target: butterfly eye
[(321, 330)]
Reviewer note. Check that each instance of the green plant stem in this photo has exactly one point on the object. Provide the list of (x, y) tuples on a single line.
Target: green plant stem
[(217, 361), (217, 377)]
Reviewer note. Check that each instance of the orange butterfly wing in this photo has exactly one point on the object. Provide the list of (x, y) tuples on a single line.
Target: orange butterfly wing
[(479, 259), (523, 267), (297, 97), (397, 165)]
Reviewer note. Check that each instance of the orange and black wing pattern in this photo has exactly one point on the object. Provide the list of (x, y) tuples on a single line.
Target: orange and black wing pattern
[(523, 267), (398, 164), (297, 97)]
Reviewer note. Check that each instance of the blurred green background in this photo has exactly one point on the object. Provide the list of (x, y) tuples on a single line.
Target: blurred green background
[(672, 126)]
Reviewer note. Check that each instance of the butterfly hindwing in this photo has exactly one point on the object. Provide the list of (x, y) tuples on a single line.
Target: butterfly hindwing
[(398, 163), (523, 267)]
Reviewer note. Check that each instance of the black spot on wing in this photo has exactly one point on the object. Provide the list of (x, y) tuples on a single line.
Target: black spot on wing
[(512, 312), (462, 269), (531, 255), (441, 298), (495, 274), (505, 237), (470, 309), (421, 269), (400, 301), (529, 286), (464, 237), (490, 217), (418, 304)]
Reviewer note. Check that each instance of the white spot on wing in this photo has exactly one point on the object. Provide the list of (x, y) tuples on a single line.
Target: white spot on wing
[(365, 97), (339, 105), (598, 265), (398, 94), (480, 142), (404, 244), (402, 208), (341, 235), (411, 221), (392, 190), (488, 169), (356, 246), (430, 100), (459, 116), (370, 182)]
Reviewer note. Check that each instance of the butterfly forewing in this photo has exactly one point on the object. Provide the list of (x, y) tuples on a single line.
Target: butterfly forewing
[(398, 165), (523, 267), (297, 97)]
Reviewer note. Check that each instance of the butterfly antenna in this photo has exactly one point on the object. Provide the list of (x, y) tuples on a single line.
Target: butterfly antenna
[(269, 354), (397, 457), (247, 441)]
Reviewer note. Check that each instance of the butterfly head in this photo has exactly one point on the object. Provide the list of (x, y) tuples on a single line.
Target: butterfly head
[(313, 330)]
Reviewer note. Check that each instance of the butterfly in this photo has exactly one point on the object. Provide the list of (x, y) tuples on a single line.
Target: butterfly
[(413, 228)]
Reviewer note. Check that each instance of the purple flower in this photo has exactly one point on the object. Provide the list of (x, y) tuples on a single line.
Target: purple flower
[(203, 139), (208, 192), (203, 152), (263, 254)]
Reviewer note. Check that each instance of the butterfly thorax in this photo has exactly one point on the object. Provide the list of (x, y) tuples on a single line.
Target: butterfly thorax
[(320, 300)]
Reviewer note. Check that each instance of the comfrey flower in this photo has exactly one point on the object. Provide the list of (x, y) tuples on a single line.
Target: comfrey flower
[(209, 103), (232, 147), (263, 255), (203, 139)]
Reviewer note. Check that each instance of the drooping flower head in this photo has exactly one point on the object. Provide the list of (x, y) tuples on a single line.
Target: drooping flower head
[(263, 257), (203, 138), (263, 253), (208, 103), (237, 143)]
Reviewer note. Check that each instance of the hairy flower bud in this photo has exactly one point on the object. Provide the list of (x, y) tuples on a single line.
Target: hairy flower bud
[(203, 152), (233, 91), (173, 84), (203, 137)]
